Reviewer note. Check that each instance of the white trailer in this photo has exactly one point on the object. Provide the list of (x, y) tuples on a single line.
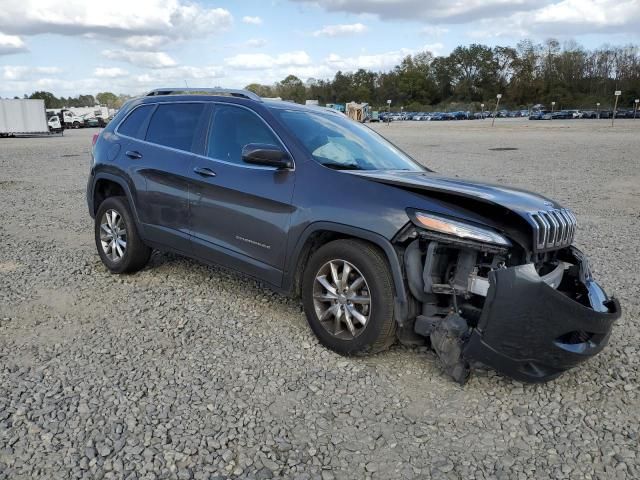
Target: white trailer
[(22, 117)]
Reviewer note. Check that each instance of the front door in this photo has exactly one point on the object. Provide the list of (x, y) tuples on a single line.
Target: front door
[(239, 212)]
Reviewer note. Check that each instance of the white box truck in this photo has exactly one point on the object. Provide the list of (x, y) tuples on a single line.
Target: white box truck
[(22, 117)]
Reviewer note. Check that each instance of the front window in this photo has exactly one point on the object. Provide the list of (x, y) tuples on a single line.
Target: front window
[(232, 129), (337, 142)]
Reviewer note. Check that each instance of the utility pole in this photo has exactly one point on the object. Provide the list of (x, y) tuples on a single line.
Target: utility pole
[(615, 106), (598, 105), (636, 109), (495, 112), (553, 106), (482, 107)]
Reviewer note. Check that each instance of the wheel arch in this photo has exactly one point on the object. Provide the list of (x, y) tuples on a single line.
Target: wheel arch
[(119, 187), (320, 233)]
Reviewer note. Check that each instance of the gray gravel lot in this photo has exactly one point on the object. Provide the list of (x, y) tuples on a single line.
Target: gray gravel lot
[(189, 371)]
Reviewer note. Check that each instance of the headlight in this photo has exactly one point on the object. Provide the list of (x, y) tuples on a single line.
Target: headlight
[(458, 229)]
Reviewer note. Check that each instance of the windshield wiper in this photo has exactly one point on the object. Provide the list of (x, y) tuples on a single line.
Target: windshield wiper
[(342, 166)]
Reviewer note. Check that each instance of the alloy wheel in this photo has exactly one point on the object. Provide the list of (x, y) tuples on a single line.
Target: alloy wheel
[(113, 235), (342, 299)]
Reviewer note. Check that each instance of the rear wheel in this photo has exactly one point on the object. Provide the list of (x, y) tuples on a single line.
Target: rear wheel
[(347, 292), (120, 247)]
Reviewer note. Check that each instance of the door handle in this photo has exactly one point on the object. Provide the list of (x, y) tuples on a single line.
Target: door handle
[(133, 155), (204, 171)]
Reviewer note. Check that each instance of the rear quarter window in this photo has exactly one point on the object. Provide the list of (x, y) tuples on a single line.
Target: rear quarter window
[(132, 125), (174, 125)]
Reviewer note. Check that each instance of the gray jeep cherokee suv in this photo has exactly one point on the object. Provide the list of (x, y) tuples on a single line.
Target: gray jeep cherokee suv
[(378, 246)]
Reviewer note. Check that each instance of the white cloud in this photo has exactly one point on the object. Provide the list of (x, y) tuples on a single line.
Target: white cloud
[(11, 44), (565, 18), (252, 20), (376, 62), (146, 42), (109, 72), (435, 48), (579, 15), (141, 59), (433, 11), (112, 18), (262, 61), (340, 30), (23, 72), (255, 43), (544, 17), (433, 31)]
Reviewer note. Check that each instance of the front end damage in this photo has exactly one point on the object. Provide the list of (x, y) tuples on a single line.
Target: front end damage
[(528, 315)]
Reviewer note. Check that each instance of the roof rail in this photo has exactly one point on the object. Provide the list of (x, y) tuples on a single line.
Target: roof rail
[(212, 91)]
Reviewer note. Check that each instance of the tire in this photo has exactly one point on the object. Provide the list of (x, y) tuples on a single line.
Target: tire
[(76, 125), (127, 258), (366, 261)]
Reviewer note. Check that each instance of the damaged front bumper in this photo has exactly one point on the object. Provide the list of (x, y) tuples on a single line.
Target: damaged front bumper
[(533, 332)]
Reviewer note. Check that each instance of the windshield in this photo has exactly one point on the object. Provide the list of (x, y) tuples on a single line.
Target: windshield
[(337, 142)]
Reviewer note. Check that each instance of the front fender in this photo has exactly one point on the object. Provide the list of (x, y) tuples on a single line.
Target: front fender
[(400, 294)]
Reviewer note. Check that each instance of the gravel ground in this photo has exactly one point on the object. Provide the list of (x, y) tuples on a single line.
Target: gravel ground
[(188, 371)]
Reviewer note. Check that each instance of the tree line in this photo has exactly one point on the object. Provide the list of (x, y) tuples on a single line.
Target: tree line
[(527, 74), (106, 99)]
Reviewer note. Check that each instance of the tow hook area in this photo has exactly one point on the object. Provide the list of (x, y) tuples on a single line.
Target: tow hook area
[(448, 338)]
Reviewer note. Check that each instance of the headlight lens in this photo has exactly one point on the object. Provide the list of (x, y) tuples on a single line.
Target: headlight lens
[(458, 229)]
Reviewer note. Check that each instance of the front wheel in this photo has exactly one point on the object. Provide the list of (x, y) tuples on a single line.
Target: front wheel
[(347, 291), (120, 247)]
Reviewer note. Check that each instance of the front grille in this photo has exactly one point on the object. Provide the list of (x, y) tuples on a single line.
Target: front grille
[(553, 229)]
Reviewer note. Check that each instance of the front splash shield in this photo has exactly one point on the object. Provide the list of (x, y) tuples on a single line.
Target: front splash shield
[(532, 332)]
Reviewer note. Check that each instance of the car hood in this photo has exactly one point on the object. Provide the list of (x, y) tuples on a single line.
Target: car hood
[(514, 199)]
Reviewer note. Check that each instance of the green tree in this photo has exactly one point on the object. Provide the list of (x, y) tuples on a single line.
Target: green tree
[(292, 88), (50, 100), (108, 99), (261, 90)]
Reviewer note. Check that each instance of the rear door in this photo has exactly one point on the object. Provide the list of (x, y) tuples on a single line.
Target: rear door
[(240, 213), (160, 166)]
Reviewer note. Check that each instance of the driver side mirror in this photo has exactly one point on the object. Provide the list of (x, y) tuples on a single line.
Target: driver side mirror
[(266, 155)]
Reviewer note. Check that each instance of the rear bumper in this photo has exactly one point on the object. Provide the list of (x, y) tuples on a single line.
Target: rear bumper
[(532, 332)]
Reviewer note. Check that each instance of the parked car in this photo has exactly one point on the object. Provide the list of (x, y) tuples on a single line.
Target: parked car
[(375, 116), (605, 114), (562, 115), (540, 115), (588, 114), (92, 122), (377, 245), (459, 115)]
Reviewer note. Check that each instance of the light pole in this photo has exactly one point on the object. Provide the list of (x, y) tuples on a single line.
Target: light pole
[(617, 93), (495, 112), (553, 107), (482, 107), (388, 112), (598, 105), (637, 101)]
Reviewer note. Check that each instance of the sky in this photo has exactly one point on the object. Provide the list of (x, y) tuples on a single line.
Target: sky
[(73, 47)]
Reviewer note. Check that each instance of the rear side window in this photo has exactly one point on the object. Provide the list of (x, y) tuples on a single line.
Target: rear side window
[(132, 125), (174, 125), (232, 128)]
